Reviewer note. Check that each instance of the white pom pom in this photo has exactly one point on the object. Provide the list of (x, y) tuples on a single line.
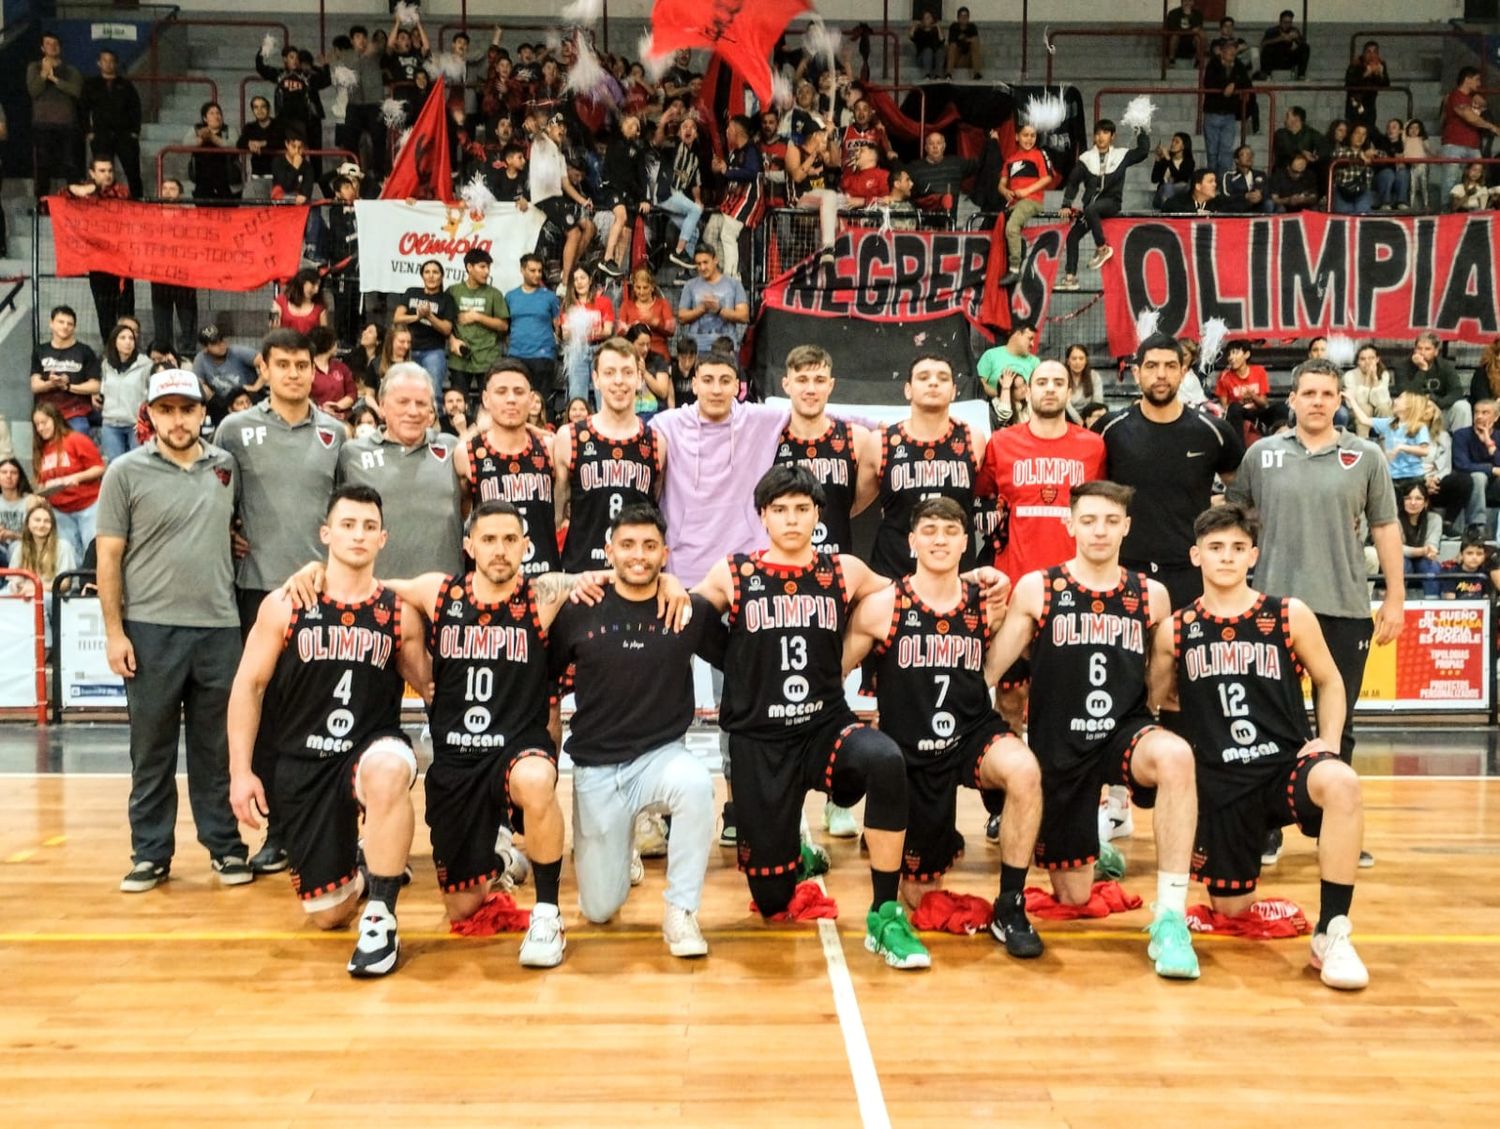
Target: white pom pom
[(578, 323), (1146, 322), (344, 77), (654, 65), (584, 13), (1211, 343), (1342, 351), (1047, 40), (268, 46), (822, 40), (586, 76), (393, 111), (401, 140), (476, 194), (1138, 113), (449, 65), (553, 40), (1046, 113), (406, 14), (781, 92)]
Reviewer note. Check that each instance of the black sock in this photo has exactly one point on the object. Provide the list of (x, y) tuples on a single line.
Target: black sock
[(1335, 898), (383, 888), (885, 883), (548, 876), (1012, 880)]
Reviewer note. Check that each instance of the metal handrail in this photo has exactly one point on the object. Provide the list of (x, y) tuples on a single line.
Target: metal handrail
[(442, 44), (1468, 37), (204, 21), (155, 80), (220, 151), (40, 660), (1334, 164), (1158, 33), (1195, 91)]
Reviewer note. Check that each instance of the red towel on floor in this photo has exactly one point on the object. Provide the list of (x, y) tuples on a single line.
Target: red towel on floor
[(1106, 898), (1270, 919), (497, 914), (942, 912), (808, 903)]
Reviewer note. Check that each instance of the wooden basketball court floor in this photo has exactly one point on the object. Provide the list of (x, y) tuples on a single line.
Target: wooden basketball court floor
[(195, 1005)]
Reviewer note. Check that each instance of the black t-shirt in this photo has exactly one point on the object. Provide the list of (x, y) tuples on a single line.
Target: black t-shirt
[(502, 187), (634, 681), (1172, 467), (78, 363), (423, 336)]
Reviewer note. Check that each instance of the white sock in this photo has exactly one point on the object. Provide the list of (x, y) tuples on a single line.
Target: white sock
[(1171, 892)]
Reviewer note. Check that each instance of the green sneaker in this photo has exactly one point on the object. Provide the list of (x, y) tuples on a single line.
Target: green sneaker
[(888, 934), (1171, 946), (1110, 864), (815, 861)]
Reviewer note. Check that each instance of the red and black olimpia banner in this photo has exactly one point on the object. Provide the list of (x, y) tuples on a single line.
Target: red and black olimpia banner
[(1305, 275)]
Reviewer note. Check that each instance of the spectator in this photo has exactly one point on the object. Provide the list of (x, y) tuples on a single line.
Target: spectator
[(1025, 176), (294, 179), (740, 205), (1414, 147), (809, 169), (1471, 194), (481, 320), (1185, 22), (866, 185), (41, 550), (964, 48), (1202, 199), (712, 305), (1484, 382), (679, 183), (534, 316), (65, 371), (1244, 392), (1229, 33), (1282, 48), (643, 304), (362, 117), (506, 177), (588, 317), (1367, 70), (66, 467), (297, 107), (124, 371), (166, 591), (214, 177), (1224, 110), (114, 296), (1449, 491), (15, 498), (1100, 175), (1245, 188), (364, 420), (1292, 186), (172, 302), (1403, 436), (1474, 557), (1190, 391), (865, 130), (260, 137), (1296, 136), (655, 391), (224, 369), (300, 306), (55, 88), (1173, 171), (1462, 126), (364, 359), (1434, 376), (1368, 385), (927, 37), (333, 388), (343, 253), (625, 193), (454, 419), (1421, 535), (771, 145), (1352, 175), (430, 312), (551, 189), (940, 174), (111, 108), (684, 366), (1393, 180), (397, 348), (1085, 386), (1476, 454), (1016, 356)]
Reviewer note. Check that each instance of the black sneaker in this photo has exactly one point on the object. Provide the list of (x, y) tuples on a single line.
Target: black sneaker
[(270, 859), (1366, 860), (1009, 926), (611, 268), (1272, 851), (233, 870), (682, 259), (145, 876), (378, 948), (729, 833), (1009, 279), (992, 830)]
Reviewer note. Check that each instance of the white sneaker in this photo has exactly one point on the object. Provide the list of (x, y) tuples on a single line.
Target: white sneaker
[(1115, 818), (683, 937), (637, 869), (1101, 256), (1334, 957), (839, 822), (650, 835), (510, 861), (545, 940), (377, 948)]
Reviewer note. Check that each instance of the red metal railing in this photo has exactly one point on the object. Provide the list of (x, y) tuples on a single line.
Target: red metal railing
[(216, 151), (157, 81), (40, 661), (1387, 161), (1294, 90), (1194, 92), (176, 21), (1160, 34), (444, 32)]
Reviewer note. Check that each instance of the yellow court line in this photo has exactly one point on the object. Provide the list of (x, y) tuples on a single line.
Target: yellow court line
[(55, 841), (20, 856)]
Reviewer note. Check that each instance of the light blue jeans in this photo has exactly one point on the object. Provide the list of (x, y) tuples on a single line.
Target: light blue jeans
[(78, 528), (1221, 134), (689, 213), (435, 362), (606, 800), (1449, 175), (115, 439)]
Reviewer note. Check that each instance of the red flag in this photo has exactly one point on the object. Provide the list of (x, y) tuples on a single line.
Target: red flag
[(422, 171), (743, 34)]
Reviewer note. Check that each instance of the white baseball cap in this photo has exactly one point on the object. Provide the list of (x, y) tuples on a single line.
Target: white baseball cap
[(174, 382)]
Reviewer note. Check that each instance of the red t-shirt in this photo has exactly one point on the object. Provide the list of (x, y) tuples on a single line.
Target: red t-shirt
[(867, 184), (1230, 386), (662, 327), (75, 453), (302, 323), (1456, 131), (1024, 167), (332, 385), (1034, 479)]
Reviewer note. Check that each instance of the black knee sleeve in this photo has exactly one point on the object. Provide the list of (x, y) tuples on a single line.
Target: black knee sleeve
[(772, 893), (874, 760)]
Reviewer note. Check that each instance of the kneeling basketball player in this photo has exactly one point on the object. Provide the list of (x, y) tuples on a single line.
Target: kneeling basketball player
[(330, 678), (1233, 659)]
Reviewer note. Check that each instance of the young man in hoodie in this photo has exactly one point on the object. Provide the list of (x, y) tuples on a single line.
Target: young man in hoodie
[(1100, 174)]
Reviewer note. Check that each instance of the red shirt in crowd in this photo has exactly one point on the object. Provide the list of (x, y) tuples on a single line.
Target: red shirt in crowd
[(1024, 167), (868, 184), (1456, 131), (335, 384), (856, 138), (302, 323), (657, 315), (72, 453), (1232, 386), (1034, 478)]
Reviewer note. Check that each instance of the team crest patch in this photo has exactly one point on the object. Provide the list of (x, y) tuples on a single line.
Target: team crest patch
[(1097, 607), (538, 460), (837, 444), (971, 620), (1227, 635), (812, 452), (929, 454), (790, 587), (325, 435), (1049, 494), (1266, 624), (942, 627), (518, 608), (439, 453), (347, 619), (1131, 602), (484, 619), (824, 577), (1059, 584), (515, 468), (382, 616), (1347, 459), (222, 474)]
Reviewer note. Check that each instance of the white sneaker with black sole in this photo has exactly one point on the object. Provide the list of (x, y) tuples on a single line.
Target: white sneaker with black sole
[(1270, 853), (510, 861), (679, 927), (233, 871), (545, 941), (377, 948), (1115, 818), (144, 876)]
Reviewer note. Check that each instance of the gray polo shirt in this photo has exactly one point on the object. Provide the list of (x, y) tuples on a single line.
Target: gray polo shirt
[(178, 570), (420, 496), (1313, 508), (286, 473)]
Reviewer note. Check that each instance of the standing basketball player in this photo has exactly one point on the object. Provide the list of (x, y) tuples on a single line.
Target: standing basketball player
[(1233, 659), (1087, 622), (929, 453), (931, 634), (510, 463), (332, 676), (606, 463)]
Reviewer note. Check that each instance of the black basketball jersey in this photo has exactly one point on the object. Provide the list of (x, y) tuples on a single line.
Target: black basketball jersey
[(929, 671), (911, 470), (1088, 663), (336, 686), (523, 478), (489, 668), (783, 668), (605, 476), (990, 529), (830, 459), (1240, 685)]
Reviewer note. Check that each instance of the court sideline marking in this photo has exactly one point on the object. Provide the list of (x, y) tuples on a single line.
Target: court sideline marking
[(867, 1091)]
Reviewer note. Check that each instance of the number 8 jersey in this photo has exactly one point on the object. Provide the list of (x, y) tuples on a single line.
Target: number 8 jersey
[(1088, 665), (783, 669)]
